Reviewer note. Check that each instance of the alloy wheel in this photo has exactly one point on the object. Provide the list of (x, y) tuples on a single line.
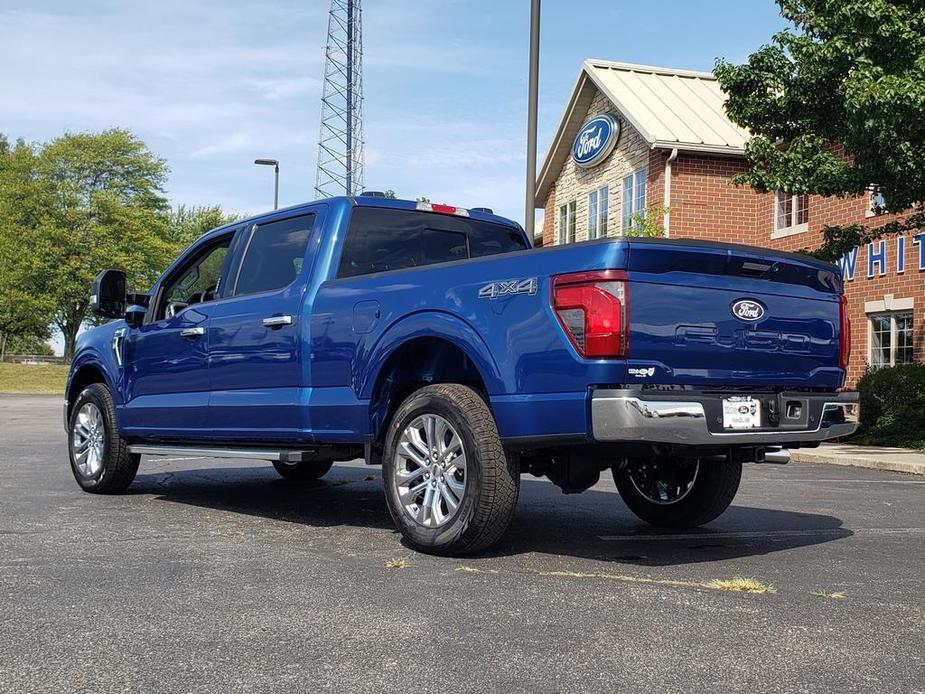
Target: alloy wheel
[(430, 470), (89, 440)]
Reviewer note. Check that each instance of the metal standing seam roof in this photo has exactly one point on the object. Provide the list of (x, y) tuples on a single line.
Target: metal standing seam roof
[(669, 108)]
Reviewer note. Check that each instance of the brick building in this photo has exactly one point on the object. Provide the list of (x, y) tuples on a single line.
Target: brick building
[(673, 155)]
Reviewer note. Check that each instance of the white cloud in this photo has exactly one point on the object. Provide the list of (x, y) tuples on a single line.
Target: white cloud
[(211, 85)]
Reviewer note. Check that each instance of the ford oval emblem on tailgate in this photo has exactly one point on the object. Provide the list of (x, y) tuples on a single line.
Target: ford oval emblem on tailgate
[(747, 309)]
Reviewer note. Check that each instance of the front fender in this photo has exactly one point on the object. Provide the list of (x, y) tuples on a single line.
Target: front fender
[(94, 349), (437, 324)]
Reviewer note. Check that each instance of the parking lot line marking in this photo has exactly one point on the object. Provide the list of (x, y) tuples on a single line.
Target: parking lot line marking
[(763, 534), (847, 481), (180, 460)]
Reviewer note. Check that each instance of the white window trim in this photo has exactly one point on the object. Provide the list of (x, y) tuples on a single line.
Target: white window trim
[(597, 212), (889, 306), (645, 196), (871, 193), (889, 303), (789, 231), (793, 229), (562, 230)]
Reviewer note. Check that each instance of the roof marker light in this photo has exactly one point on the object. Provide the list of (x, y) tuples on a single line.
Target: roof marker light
[(443, 209)]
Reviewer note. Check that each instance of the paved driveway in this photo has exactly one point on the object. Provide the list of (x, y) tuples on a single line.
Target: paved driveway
[(217, 576)]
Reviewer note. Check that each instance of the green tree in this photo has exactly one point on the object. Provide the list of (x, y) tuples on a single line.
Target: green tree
[(18, 344), (103, 206), (186, 224), (850, 72), (26, 304), (648, 225)]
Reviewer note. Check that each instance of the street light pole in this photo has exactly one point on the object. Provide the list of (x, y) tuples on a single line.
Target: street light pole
[(530, 211), (275, 164)]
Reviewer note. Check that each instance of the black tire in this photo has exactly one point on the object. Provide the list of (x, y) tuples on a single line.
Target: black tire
[(714, 487), (118, 467), (492, 479), (306, 471)]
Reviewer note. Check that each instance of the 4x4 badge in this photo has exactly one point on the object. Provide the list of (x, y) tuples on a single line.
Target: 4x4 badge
[(508, 288)]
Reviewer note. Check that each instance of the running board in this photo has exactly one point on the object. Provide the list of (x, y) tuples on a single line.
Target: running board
[(276, 455)]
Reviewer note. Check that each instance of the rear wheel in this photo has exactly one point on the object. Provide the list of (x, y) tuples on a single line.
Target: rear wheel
[(99, 457), (678, 494), (449, 485), (304, 471)]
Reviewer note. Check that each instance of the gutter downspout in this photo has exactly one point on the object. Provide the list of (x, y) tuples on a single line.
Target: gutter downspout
[(666, 203)]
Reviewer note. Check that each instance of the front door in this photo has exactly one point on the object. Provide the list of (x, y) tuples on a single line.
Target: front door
[(254, 344), (166, 374)]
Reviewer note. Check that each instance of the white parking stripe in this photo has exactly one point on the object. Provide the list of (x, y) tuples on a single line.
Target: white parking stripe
[(765, 534), (846, 481), (175, 460)]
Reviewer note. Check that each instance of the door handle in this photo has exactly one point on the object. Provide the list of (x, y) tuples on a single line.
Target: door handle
[(277, 321), (192, 332)]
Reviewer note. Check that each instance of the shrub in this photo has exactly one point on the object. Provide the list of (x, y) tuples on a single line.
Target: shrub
[(893, 407)]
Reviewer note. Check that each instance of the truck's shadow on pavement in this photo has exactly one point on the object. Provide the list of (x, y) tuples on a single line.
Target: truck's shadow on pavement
[(594, 525)]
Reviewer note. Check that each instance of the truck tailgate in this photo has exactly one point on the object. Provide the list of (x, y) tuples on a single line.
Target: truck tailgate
[(706, 315)]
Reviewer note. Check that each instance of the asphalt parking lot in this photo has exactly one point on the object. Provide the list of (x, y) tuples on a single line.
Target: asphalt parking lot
[(218, 576)]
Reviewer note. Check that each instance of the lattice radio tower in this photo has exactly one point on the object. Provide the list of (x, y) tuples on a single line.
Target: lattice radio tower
[(340, 145)]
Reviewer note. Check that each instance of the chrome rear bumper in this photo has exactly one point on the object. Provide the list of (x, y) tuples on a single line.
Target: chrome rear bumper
[(690, 419)]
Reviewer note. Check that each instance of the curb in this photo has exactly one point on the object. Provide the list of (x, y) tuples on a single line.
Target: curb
[(854, 460)]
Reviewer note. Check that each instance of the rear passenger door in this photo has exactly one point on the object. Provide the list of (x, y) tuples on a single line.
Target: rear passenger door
[(255, 336)]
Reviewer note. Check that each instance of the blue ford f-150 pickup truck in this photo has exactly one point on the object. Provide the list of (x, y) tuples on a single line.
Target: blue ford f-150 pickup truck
[(435, 341)]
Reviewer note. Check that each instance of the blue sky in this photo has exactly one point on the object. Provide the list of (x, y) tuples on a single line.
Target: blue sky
[(212, 84)]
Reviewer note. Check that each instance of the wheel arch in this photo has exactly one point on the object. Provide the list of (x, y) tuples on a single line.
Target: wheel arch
[(84, 375), (420, 353)]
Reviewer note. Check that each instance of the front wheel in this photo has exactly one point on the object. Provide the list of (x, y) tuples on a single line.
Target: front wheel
[(678, 494), (100, 459), (450, 487)]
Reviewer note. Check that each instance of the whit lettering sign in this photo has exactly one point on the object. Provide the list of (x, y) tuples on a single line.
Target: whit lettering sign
[(879, 259)]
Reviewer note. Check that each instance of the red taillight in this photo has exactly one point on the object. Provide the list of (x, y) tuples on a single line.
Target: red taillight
[(844, 344), (591, 306)]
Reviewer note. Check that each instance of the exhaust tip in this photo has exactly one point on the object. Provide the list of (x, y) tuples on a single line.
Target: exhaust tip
[(777, 456)]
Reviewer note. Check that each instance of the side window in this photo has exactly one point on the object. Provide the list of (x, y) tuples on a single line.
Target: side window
[(371, 249), (274, 255), (380, 240), (196, 283)]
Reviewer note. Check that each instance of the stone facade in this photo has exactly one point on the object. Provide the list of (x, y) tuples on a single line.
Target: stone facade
[(575, 183), (705, 205)]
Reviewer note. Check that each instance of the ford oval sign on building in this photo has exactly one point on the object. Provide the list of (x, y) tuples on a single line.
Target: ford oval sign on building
[(596, 139)]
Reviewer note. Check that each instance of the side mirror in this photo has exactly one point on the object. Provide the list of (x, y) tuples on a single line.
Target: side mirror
[(109, 292)]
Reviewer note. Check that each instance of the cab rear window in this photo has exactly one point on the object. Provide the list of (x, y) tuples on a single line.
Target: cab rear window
[(380, 240)]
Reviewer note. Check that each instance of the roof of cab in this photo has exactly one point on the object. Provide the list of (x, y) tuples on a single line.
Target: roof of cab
[(354, 201)]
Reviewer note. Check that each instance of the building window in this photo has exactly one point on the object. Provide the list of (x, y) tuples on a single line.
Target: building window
[(791, 213), (634, 197), (597, 213), (876, 202), (567, 222), (890, 339)]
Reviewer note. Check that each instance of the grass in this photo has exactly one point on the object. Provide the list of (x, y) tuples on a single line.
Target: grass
[(737, 584), (33, 378), (741, 584), (396, 564), (832, 595)]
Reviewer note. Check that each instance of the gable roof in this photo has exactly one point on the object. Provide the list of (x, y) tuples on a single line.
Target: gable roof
[(669, 108)]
